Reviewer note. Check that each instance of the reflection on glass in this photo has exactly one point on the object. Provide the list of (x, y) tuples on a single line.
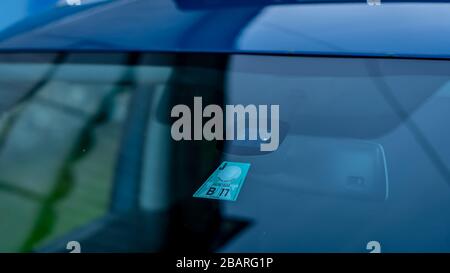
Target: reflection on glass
[(86, 154)]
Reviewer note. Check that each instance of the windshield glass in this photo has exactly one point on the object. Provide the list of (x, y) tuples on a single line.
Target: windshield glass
[(227, 153)]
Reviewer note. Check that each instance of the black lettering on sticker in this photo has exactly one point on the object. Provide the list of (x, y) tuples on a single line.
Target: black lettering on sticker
[(224, 192), (211, 191)]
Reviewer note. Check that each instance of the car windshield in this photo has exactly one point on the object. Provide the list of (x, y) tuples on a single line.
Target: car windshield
[(98, 148)]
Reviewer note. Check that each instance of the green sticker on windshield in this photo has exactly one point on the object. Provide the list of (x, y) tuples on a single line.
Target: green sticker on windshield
[(225, 183)]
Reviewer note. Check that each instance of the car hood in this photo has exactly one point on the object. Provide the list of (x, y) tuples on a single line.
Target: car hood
[(419, 30)]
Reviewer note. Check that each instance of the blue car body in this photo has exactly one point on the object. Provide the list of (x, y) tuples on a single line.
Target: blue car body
[(360, 86), (394, 29)]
